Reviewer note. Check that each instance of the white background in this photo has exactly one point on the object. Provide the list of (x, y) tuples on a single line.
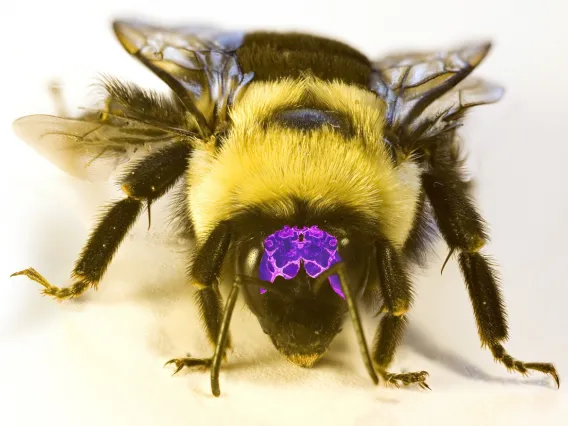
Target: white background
[(98, 361)]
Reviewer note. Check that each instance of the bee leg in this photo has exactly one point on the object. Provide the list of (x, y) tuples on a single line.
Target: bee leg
[(191, 363), (396, 293), (205, 272), (149, 179), (464, 231), (213, 363), (97, 253)]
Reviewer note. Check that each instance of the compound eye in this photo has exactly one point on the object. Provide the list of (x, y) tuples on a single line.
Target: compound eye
[(250, 263), (247, 264)]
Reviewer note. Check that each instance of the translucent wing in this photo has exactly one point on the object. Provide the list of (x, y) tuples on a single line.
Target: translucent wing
[(427, 94), (91, 149), (199, 65), (130, 122)]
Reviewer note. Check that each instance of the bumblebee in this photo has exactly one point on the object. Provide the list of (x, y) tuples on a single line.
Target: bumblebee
[(311, 175)]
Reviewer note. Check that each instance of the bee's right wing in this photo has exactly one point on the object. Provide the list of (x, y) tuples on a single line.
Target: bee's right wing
[(428, 93), (89, 148)]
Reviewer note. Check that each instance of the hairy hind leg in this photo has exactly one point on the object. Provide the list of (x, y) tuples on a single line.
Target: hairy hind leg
[(97, 253), (147, 180), (463, 229)]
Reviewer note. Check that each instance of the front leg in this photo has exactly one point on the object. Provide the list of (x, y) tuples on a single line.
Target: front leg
[(396, 293), (205, 272), (214, 363), (209, 302), (463, 229)]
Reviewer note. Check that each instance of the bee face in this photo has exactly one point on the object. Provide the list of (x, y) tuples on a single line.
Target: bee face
[(300, 317)]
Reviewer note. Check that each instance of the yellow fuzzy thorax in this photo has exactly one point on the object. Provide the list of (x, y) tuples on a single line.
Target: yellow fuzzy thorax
[(268, 165)]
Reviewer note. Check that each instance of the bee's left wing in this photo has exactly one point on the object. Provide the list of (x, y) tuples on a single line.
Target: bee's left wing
[(427, 94), (199, 65), (90, 148)]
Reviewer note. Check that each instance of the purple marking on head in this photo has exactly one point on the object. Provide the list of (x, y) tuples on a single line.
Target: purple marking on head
[(288, 249)]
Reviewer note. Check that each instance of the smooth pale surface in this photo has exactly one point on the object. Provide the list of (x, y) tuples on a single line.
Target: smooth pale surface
[(99, 361)]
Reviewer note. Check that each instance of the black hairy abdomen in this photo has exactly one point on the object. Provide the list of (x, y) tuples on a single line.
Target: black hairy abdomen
[(272, 56)]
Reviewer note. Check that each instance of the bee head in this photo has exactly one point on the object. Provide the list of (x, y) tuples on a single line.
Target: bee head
[(300, 317)]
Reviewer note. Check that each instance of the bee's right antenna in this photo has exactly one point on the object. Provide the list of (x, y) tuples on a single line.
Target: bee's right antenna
[(339, 269)]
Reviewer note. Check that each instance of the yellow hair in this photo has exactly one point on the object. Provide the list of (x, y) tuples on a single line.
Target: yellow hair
[(268, 166)]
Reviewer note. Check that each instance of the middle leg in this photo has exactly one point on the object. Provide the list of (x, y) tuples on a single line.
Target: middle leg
[(396, 293)]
